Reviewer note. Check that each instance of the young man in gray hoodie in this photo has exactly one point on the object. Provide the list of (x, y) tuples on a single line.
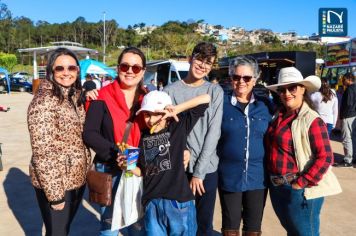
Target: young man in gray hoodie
[(203, 139)]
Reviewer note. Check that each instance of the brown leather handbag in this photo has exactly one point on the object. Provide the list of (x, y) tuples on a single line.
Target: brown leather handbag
[(100, 183), (100, 186)]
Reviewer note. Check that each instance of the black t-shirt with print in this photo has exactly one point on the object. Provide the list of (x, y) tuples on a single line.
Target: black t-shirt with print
[(161, 159)]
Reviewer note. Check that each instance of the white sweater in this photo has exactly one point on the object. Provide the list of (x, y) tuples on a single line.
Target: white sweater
[(328, 111)]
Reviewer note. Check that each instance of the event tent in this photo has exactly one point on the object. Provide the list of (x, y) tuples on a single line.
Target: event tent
[(4, 71), (90, 66)]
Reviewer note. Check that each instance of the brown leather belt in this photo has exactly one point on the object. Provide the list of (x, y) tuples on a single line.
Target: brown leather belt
[(278, 180)]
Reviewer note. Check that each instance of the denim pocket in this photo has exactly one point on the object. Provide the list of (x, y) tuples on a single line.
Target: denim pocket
[(180, 206)]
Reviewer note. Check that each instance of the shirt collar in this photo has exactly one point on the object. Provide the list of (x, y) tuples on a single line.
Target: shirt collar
[(234, 100)]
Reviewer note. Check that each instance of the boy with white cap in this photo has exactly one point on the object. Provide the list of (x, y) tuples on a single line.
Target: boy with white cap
[(167, 197)]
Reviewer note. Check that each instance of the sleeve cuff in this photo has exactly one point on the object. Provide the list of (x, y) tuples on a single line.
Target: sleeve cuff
[(302, 182), (202, 177), (57, 202)]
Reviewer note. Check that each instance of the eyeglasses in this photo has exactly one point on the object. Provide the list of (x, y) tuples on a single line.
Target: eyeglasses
[(70, 68), (246, 78), (124, 67), (292, 89), (201, 62)]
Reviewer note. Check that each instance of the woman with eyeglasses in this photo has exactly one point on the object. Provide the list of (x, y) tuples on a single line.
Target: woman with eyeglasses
[(242, 183), (299, 156), (107, 116), (60, 159)]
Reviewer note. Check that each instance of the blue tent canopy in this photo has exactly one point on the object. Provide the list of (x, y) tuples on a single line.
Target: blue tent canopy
[(89, 66), (4, 71)]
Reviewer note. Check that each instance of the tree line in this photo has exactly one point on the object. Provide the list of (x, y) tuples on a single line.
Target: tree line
[(171, 39)]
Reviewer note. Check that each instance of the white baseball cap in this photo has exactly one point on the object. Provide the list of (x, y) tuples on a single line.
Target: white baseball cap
[(155, 100)]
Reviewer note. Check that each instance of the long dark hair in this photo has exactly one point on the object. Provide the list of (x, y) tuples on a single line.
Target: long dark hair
[(57, 91), (326, 92), (308, 101), (140, 90)]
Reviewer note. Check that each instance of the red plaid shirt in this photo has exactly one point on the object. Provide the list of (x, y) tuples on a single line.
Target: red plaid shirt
[(281, 155)]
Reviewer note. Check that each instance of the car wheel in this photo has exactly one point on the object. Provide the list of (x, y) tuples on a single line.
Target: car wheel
[(22, 89)]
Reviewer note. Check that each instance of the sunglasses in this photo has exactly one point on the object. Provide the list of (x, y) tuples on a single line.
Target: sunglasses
[(71, 68), (246, 78), (292, 89), (124, 67)]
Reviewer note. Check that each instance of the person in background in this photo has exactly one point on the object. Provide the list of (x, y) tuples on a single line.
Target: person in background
[(214, 80), (151, 86), (60, 160), (348, 123), (4, 109), (107, 81), (89, 84), (242, 183), (106, 121), (202, 141), (97, 81), (326, 104), (160, 86), (299, 156), (167, 197)]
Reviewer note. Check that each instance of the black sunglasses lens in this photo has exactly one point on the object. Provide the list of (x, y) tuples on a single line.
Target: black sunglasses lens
[(281, 90), (236, 77), (292, 89), (245, 78)]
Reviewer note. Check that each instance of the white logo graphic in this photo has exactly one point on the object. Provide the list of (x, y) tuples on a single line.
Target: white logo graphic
[(336, 14)]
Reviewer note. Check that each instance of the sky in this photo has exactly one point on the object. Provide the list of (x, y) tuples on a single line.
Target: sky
[(278, 15)]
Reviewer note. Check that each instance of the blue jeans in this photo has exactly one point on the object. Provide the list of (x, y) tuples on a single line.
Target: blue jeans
[(298, 216), (107, 211), (169, 217), (329, 127)]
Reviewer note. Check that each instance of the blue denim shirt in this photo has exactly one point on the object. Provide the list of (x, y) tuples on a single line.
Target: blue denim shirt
[(241, 148)]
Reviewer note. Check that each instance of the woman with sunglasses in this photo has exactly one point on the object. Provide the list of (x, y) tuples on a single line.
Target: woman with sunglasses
[(242, 184), (107, 116), (60, 159), (299, 156)]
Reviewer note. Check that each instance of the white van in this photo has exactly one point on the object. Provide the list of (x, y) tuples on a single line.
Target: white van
[(165, 71)]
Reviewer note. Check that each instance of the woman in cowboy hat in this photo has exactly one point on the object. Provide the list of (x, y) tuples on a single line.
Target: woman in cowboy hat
[(299, 156)]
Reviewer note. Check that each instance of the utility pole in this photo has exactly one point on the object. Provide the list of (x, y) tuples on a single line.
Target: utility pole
[(104, 40)]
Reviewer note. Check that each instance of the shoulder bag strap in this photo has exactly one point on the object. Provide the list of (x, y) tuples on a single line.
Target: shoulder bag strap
[(127, 132)]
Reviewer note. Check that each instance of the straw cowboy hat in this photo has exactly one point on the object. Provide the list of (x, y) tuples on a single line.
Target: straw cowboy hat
[(290, 75)]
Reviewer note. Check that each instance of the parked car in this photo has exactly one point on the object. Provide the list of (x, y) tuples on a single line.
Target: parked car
[(165, 71), (20, 84), (20, 74), (3, 85)]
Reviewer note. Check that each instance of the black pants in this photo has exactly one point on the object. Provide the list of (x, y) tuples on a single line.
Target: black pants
[(247, 205), (205, 205), (57, 223)]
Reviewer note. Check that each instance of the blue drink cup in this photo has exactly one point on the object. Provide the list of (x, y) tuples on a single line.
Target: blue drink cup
[(132, 157)]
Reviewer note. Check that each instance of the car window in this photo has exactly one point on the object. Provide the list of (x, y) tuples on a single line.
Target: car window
[(174, 76), (183, 74)]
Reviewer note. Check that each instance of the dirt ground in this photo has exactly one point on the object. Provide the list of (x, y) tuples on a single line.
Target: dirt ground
[(20, 215)]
